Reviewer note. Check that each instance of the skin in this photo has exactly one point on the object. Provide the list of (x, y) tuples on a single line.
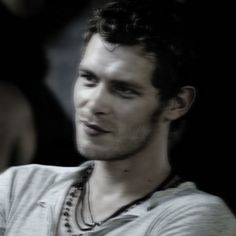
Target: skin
[(114, 94)]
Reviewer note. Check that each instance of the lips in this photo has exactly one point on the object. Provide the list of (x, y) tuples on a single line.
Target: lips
[(94, 129)]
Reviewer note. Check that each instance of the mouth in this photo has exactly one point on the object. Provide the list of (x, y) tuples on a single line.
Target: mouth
[(94, 129)]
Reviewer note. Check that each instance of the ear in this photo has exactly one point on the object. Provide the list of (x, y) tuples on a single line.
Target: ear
[(181, 103)]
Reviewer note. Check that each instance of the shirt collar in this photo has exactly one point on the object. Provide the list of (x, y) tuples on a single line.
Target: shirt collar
[(64, 182)]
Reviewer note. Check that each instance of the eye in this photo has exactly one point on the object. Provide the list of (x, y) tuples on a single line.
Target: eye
[(88, 79), (124, 90)]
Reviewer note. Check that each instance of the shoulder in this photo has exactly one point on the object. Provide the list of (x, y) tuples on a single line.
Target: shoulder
[(33, 181), (32, 171), (188, 200), (189, 195), (32, 177), (189, 211)]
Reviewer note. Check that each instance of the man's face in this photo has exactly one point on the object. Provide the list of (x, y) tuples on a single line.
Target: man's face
[(115, 101)]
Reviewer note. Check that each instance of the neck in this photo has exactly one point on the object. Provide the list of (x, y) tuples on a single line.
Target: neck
[(133, 177), (116, 183)]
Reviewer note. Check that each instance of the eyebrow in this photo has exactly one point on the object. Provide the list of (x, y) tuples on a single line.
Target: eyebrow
[(81, 69), (116, 80), (127, 83)]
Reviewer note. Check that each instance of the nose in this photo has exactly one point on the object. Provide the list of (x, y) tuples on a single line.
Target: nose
[(99, 101)]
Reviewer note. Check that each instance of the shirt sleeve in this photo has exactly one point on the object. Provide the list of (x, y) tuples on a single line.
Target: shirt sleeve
[(195, 216)]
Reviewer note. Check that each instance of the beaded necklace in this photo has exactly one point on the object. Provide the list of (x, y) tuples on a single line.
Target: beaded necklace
[(76, 199)]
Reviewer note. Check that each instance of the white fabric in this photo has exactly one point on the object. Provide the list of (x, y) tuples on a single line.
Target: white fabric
[(31, 198)]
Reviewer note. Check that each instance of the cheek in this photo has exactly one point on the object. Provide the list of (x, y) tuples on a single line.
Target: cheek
[(81, 95), (141, 106), (76, 93), (134, 113)]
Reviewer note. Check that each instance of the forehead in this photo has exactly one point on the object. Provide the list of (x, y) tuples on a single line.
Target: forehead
[(120, 60)]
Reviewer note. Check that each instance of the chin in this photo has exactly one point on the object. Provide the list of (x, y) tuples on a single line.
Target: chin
[(93, 153), (90, 153), (105, 155)]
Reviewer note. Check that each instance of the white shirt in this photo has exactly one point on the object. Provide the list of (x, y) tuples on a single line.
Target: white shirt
[(31, 199)]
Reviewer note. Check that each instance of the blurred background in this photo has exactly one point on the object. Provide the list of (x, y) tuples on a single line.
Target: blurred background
[(40, 49)]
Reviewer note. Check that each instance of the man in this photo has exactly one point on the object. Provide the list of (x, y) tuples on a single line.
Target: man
[(132, 86)]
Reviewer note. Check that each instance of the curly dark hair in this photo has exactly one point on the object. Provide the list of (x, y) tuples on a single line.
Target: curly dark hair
[(159, 26)]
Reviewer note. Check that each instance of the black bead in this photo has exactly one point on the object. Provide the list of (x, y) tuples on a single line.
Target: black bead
[(69, 203), (66, 214), (67, 225)]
